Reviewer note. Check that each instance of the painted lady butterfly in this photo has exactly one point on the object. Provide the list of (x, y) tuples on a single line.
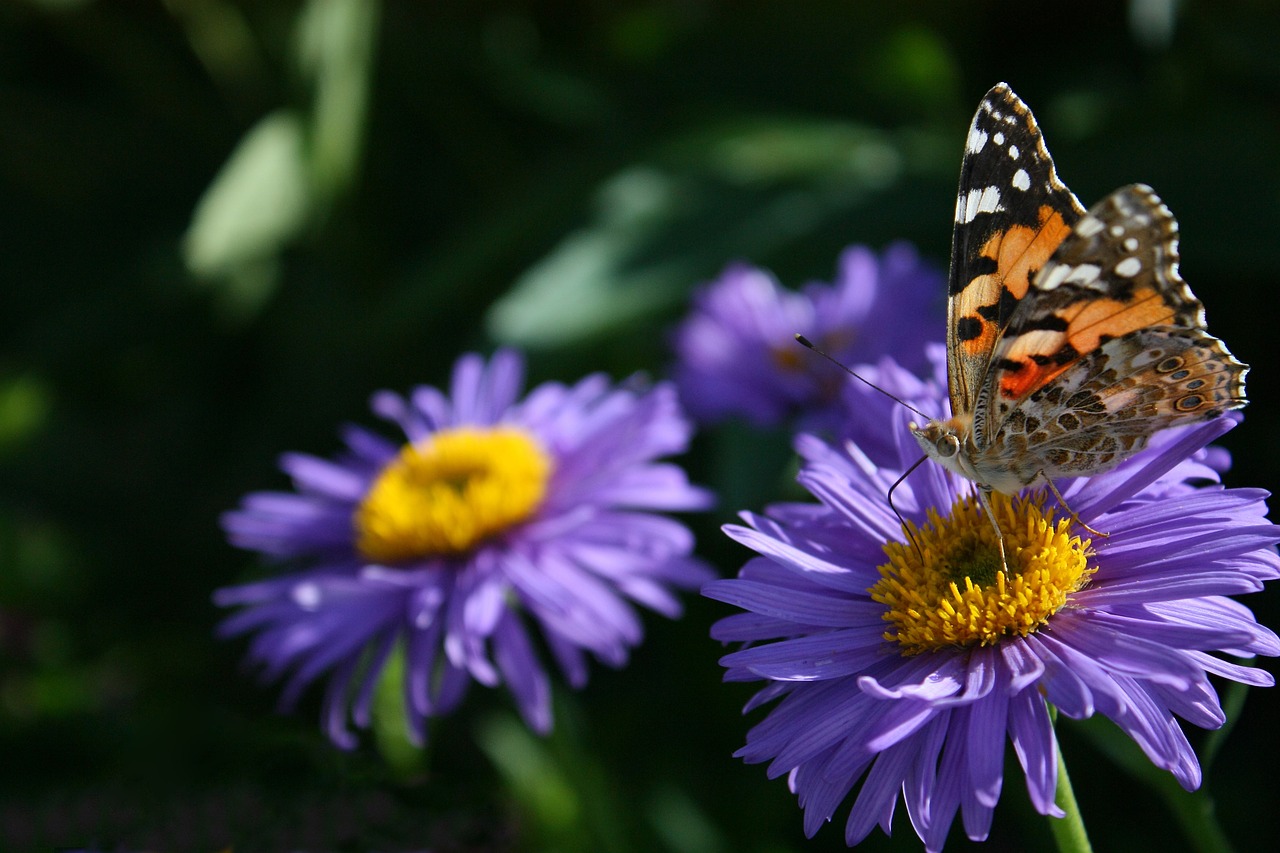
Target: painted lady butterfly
[(1071, 337)]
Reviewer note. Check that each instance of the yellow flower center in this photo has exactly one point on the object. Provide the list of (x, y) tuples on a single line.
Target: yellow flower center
[(953, 591), (787, 359), (443, 495)]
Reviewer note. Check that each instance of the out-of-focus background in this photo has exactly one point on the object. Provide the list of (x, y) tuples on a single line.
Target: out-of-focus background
[(224, 224)]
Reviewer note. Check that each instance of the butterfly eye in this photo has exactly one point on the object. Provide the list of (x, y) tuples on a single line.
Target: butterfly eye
[(948, 445)]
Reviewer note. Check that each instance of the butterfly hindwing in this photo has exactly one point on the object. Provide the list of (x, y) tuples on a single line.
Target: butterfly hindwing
[(1107, 404), (1011, 214), (1115, 273)]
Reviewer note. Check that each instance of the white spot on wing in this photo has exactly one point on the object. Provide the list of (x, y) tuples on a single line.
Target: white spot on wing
[(1117, 230), (987, 201), (1039, 340), (1054, 277), (1131, 244), (1021, 180), (1083, 274), (1014, 152), (977, 139), (1129, 267), (999, 138), (1088, 226)]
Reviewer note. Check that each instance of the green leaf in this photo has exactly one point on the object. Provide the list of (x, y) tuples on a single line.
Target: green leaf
[(707, 196), (336, 41), (391, 719), (532, 774), (258, 202), (24, 410), (588, 283)]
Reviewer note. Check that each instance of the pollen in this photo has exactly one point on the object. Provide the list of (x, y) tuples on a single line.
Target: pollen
[(445, 494), (949, 588)]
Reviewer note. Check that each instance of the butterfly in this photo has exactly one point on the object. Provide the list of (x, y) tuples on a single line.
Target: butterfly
[(1071, 336)]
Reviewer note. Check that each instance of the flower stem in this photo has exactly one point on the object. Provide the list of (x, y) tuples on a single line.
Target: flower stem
[(1068, 831), (1195, 814)]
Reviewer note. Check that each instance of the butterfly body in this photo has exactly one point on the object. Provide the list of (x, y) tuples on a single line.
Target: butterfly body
[(1071, 336)]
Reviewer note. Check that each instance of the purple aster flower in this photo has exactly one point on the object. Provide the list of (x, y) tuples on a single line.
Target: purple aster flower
[(737, 349), (494, 514), (905, 663)]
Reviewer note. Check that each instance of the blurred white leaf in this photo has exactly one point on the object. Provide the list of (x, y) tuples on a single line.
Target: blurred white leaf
[(589, 282), (1153, 22), (257, 203), (717, 193), (335, 46)]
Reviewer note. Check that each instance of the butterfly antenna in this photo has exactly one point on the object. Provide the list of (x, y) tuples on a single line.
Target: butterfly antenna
[(902, 521), (808, 343)]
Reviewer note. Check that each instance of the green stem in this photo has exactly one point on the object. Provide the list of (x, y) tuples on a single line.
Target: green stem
[(1195, 814), (1193, 810), (1069, 831)]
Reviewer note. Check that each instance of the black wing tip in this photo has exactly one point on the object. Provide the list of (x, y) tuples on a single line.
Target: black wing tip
[(1002, 93)]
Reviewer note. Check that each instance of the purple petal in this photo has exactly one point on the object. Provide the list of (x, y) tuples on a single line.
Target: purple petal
[(523, 673), (1031, 732)]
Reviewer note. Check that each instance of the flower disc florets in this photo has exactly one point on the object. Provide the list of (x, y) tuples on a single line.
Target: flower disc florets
[(448, 492), (945, 585)]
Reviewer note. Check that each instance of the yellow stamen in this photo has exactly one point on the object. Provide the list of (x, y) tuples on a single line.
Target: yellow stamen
[(953, 590), (450, 491)]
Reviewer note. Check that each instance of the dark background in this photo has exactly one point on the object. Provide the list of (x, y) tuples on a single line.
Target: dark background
[(414, 179)]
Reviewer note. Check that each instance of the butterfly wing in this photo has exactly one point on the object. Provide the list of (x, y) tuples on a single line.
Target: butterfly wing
[(1114, 276), (1012, 212), (1106, 404)]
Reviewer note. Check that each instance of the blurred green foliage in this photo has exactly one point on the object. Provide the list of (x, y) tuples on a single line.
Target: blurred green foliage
[(226, 223)]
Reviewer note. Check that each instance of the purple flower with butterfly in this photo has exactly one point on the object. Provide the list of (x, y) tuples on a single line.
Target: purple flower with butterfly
[(737, 352), (899, 665), (494, 515), (905, 640)]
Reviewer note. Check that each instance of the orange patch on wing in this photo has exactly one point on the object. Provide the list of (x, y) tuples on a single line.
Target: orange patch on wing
[(1115, 317), (1018, 253), (1093, 320), (983, 343), (1016, 384)]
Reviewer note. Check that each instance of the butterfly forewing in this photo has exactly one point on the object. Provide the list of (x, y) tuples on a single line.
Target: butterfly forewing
[(1011, 214)]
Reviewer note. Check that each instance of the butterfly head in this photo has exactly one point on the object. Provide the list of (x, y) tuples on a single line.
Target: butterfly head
[(943, 441), (936, 438)]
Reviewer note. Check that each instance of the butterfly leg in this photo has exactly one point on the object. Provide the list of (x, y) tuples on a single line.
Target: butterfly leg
[(984, 498), (1075, 519)]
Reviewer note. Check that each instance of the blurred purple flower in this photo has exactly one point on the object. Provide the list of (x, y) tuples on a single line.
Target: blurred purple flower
[(907, 666), (737, 353), (497, 514)]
